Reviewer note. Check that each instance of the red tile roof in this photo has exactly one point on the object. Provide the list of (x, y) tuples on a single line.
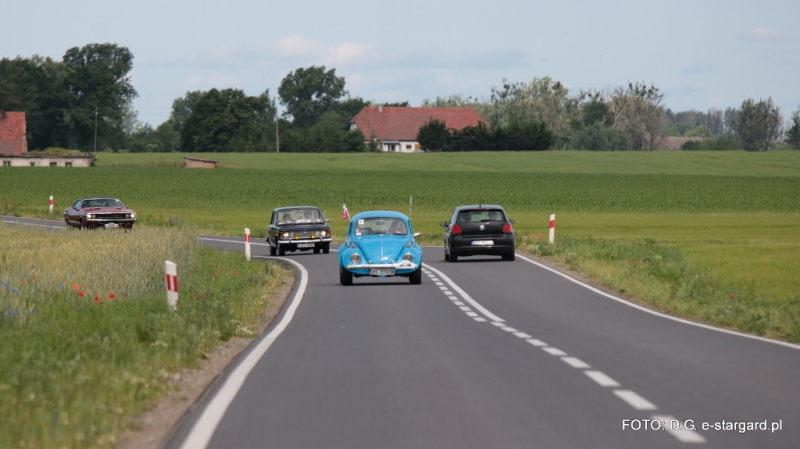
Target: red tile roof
[(12, 133), (397, 123)]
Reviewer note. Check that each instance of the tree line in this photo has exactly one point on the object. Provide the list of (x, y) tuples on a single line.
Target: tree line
[(85, 100)]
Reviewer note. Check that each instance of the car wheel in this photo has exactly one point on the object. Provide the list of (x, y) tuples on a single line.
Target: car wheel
[(326, 248), (446, 255), (453, 257), (345, 277), (416, 277), (316, 250), (272, 250), (281, 251), (510, 256)]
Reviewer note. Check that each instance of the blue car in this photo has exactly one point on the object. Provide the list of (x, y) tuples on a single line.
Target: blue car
[(380, 244)]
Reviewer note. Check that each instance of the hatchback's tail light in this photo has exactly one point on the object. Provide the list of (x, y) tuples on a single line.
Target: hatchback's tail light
[(507, 228), (457, 229)]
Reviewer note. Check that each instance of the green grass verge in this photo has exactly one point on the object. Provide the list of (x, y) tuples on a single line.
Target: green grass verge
[(88, 340)]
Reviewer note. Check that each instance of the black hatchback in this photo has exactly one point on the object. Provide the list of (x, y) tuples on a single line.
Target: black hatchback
[(478, 230)]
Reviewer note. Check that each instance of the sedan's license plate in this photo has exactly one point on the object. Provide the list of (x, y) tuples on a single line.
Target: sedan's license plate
[(382, 272), (482, 242), (111, 225), (305, 245)]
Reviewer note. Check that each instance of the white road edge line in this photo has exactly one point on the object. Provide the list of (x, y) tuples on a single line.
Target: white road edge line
[(466, 296), (203, 430), (634, 400), (653, 312), (683, 434)]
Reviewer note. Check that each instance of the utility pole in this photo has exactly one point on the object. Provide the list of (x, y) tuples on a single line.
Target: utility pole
[(95, 129), (277, 136)]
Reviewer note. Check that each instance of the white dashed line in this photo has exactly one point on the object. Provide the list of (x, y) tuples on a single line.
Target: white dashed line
[(683, 434), (482, 320), (485, 312), (537, 343), (458, 303), (554, 351), (601, 379), (499, 323), (465, 309), (472, 314), (522, 335), (509, 329), (575, 363), (634, 400)]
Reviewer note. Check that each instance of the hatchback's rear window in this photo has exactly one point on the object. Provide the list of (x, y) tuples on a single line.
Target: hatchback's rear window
[(481, 215)]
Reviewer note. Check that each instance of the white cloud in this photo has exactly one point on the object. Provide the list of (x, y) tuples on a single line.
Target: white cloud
[(762, 35), (295, 46)]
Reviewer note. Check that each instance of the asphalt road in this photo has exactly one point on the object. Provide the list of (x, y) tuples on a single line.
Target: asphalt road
[(490, 354)]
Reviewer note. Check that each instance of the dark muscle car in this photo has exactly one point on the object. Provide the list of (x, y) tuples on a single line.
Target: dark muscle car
[(298, 228), (99, 212)]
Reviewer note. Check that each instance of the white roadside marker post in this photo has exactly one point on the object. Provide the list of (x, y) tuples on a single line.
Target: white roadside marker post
[(247, 243), (51, 204), (172, 284), (552, 228)]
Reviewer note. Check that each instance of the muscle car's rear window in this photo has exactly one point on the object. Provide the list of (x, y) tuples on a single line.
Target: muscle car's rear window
[(304, 215), (480, 215)]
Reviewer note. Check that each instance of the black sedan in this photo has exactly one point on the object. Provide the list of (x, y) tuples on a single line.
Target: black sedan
[(478, 230), (298, 228)]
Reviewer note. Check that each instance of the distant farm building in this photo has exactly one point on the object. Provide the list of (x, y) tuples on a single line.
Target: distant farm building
[(396, 128), (14, 147), (193, 162)]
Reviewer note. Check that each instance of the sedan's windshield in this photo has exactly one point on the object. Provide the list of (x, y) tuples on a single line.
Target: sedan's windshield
[(302, 215), (381, 226)]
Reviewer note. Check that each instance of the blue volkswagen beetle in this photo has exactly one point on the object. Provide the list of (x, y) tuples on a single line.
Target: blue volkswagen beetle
[(380, 243)]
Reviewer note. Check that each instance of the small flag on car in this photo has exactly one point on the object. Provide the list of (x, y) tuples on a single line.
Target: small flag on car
[(345, 214)]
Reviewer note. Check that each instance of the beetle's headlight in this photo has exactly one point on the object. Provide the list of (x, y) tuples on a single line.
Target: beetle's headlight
[(409, 257), (355, 259)]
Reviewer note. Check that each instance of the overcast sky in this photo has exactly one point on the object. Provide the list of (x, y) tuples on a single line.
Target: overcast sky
[(701, 53)]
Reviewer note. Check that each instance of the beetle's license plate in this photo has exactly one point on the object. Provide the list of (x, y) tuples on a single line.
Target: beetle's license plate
[(110, 225), (482, 242), (305, 245), (382, 271)]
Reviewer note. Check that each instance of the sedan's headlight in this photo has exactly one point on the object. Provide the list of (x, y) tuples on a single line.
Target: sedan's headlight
[(409, 257), (285, 235), (323, 233), (355, 259)]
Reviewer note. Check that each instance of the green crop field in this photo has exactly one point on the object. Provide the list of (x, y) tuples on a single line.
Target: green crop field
[(734, 215)]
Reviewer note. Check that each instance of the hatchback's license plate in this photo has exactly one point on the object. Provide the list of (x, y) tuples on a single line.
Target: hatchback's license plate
[(482, 242), (305, 245), (111, 225), (382, 272)]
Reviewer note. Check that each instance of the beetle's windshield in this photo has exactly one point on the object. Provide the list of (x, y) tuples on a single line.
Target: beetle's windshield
[(381, 225), (300, 215)]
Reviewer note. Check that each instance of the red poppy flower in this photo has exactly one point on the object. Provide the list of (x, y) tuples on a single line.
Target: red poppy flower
[(111, 296), (80, 294), (733, 296), (97, 300), (75, 286)]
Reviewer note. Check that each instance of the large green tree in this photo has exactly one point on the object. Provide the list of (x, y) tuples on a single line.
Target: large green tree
[(307, 93), (229, 121), (98, 80), (758, 124)]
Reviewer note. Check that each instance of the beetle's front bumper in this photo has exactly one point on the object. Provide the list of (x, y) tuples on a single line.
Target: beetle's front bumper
[(401, 268)]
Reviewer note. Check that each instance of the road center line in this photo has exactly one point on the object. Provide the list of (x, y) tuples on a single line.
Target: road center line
[(635, 401), (601, 379), (466, 296)]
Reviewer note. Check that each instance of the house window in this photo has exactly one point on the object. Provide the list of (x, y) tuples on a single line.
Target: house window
[(33, 164), (408, 147), (67, 164), (6, 163), (54, 164)]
